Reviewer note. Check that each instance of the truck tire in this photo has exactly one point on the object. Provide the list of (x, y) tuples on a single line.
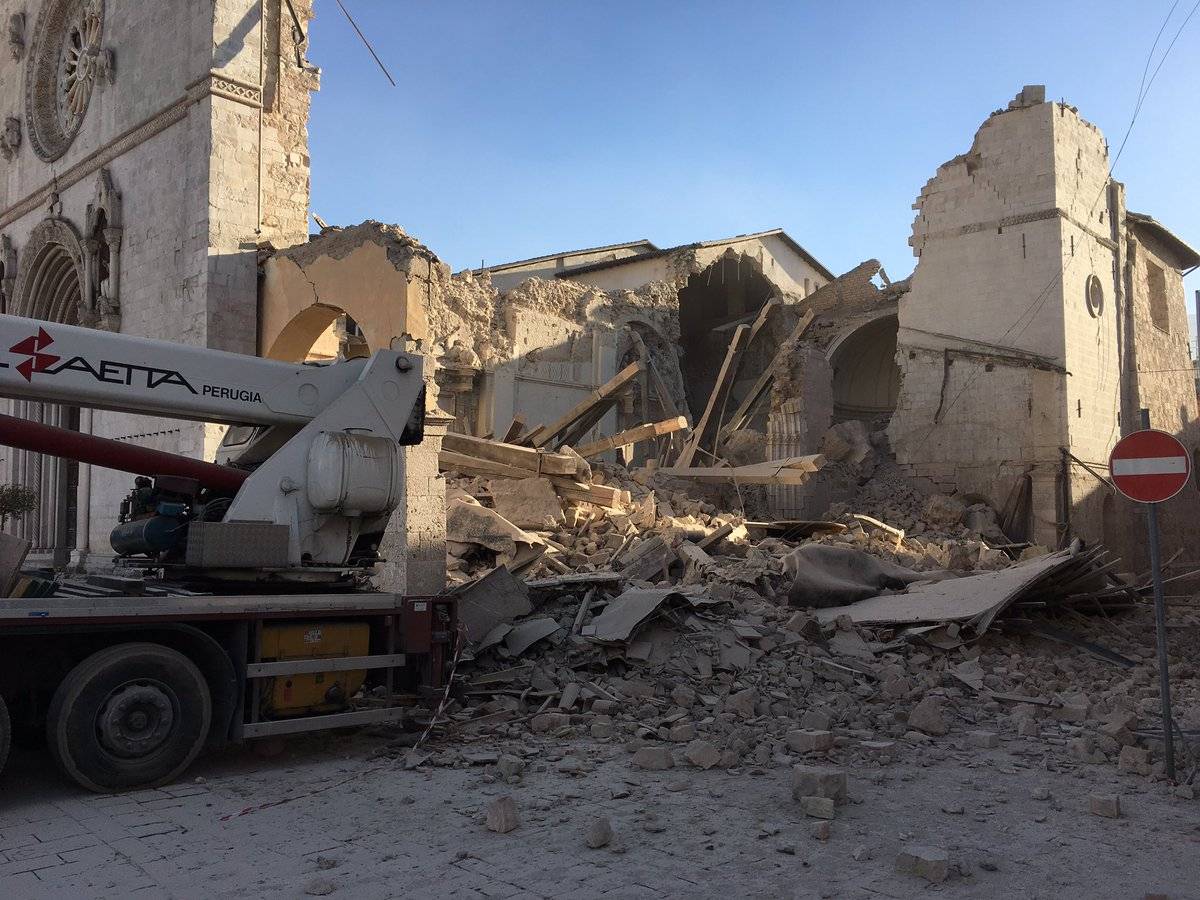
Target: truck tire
[(129, 716), (5, 734)]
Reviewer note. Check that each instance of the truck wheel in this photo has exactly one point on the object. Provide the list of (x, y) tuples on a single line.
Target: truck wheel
[(5, 734), (133, 715)]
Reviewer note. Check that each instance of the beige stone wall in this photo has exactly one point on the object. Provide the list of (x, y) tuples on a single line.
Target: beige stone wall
[(983, 339), (178, 133)]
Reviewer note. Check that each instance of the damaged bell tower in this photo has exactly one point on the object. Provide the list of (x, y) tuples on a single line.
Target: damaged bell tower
[(1028, 310)]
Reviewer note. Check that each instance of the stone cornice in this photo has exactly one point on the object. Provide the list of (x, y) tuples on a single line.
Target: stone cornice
[(225, 86), (1009, 222), (212, 83)]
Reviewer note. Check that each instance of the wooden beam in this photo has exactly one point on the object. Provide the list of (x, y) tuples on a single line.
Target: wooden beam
[(632, 436), (763, 314), (600, 494), (449, 461), (515, 429), (660, 387), (741, 415), (539, 461), (719, 391), (793, 470), (546, 433), (586, 424)]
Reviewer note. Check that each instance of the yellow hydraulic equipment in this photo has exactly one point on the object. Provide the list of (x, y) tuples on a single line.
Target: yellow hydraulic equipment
[(318, 692)]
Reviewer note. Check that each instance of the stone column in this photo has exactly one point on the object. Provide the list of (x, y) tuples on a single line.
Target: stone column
[(414, 543)]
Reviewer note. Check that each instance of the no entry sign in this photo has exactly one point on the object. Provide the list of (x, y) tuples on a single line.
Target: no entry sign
[(1149, 466)]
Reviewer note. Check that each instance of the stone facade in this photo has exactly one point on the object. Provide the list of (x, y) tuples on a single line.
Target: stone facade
[(153, 165), (1028, 321)]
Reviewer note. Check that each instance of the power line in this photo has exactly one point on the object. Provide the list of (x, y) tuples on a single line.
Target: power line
[(362, 37)]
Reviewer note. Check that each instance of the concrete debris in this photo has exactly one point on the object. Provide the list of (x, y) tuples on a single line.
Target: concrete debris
[(931, 864), (502, 815), (654, 758), (812, 781), (809, 741), (927, 716), (817, 807), (983, 740), (1107, 805), (599, 833)]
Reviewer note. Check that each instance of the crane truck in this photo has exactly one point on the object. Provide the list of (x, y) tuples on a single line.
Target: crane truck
[(251, 614)]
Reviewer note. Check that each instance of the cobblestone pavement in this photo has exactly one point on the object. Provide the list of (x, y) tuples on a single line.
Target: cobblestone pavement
[(381, 831)]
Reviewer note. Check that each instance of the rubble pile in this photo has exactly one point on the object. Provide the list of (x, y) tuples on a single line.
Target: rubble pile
[(672, 629)]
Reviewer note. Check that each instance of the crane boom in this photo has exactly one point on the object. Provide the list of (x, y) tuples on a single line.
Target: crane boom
[(87, 367), (319, 469)]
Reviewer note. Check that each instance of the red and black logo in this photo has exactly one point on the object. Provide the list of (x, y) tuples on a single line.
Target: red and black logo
[(32, 347)]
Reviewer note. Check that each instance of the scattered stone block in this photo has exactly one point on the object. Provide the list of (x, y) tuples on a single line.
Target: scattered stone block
[(599, 833), (983, 740), (601, 730), (502, 815), (816, 720), (1074, 709), (510, 766), (683, 732), (927, 862), (1107, 805), (805, 741), (551, 721), (1135, 760), (702, 754), (818, 807), (683, 696), (927, 717), (821, 830), (743, 703), (655, 758), (813, 781)]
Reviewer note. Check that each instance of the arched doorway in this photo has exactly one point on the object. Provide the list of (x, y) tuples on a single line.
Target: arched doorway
[(866, 379), (711, 305), (49, 287)]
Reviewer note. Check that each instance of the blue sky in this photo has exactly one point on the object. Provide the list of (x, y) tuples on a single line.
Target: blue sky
[(521, 127)]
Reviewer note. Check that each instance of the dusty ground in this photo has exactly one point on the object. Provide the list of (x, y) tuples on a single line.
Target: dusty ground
[(381, 831)]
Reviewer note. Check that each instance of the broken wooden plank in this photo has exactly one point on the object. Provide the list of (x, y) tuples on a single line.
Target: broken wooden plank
[(586, 424), (544, 434), (542, 462), (741, 415), (719, 392), (600, 494), (632, 436), (793, 470), (720, 534), (449, 461), (514, 429)]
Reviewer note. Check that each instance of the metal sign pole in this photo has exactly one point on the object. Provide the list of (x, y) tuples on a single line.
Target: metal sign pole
[(1160, 624)]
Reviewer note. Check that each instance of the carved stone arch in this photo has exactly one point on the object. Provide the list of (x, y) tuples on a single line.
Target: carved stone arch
[(50, 283), (102, 257), (49, 286), (8, 273)]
